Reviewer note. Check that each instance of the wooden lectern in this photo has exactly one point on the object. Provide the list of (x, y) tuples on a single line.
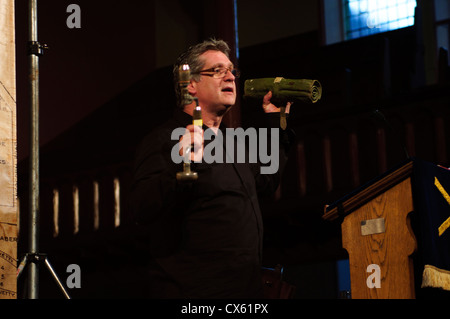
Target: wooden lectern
[(377, 234)]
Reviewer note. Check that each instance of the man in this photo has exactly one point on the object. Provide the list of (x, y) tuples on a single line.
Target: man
[(204, 237)]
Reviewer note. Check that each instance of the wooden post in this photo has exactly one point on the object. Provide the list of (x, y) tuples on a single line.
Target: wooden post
[(8, 155)]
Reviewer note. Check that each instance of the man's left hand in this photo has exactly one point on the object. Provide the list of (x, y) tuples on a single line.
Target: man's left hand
[(268, 107)]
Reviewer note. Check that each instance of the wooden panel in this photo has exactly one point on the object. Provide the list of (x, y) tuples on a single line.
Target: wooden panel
[(8, 161), (390, 250)]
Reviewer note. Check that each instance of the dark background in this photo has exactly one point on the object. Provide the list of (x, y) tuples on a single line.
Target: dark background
[(105, 85)]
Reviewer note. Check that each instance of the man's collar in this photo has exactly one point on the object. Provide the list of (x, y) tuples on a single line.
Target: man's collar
[(183, 118)]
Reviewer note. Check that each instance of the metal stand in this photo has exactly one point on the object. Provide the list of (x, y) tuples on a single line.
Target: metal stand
[(35, 50), (38, 258)]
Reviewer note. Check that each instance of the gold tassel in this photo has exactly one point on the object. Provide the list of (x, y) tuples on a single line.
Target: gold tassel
[(435, 278)]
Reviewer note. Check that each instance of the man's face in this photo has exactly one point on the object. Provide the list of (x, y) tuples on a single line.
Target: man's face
[(215, 95)]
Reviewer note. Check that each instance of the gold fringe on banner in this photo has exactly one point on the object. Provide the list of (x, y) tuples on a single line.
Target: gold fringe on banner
[(434, 277)]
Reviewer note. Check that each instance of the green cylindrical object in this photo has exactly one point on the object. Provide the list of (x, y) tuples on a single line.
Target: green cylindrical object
[(284, 90)]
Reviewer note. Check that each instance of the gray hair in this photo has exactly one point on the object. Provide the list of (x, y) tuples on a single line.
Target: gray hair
[(192, 57)]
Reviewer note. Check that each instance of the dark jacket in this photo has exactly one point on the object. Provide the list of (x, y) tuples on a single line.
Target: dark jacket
[(204, 238)]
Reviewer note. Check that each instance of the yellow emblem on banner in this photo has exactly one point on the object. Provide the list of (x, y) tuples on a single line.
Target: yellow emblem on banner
[(445, 225)]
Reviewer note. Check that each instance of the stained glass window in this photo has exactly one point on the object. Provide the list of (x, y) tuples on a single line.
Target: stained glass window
[(366, 17)]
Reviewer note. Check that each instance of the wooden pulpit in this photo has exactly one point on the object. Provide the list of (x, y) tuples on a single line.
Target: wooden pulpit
[(377, 234)]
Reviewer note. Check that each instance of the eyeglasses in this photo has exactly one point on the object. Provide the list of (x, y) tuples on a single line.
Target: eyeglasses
[(219, 72)]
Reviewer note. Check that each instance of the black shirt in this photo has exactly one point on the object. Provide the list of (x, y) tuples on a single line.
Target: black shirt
[(205, 237)]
